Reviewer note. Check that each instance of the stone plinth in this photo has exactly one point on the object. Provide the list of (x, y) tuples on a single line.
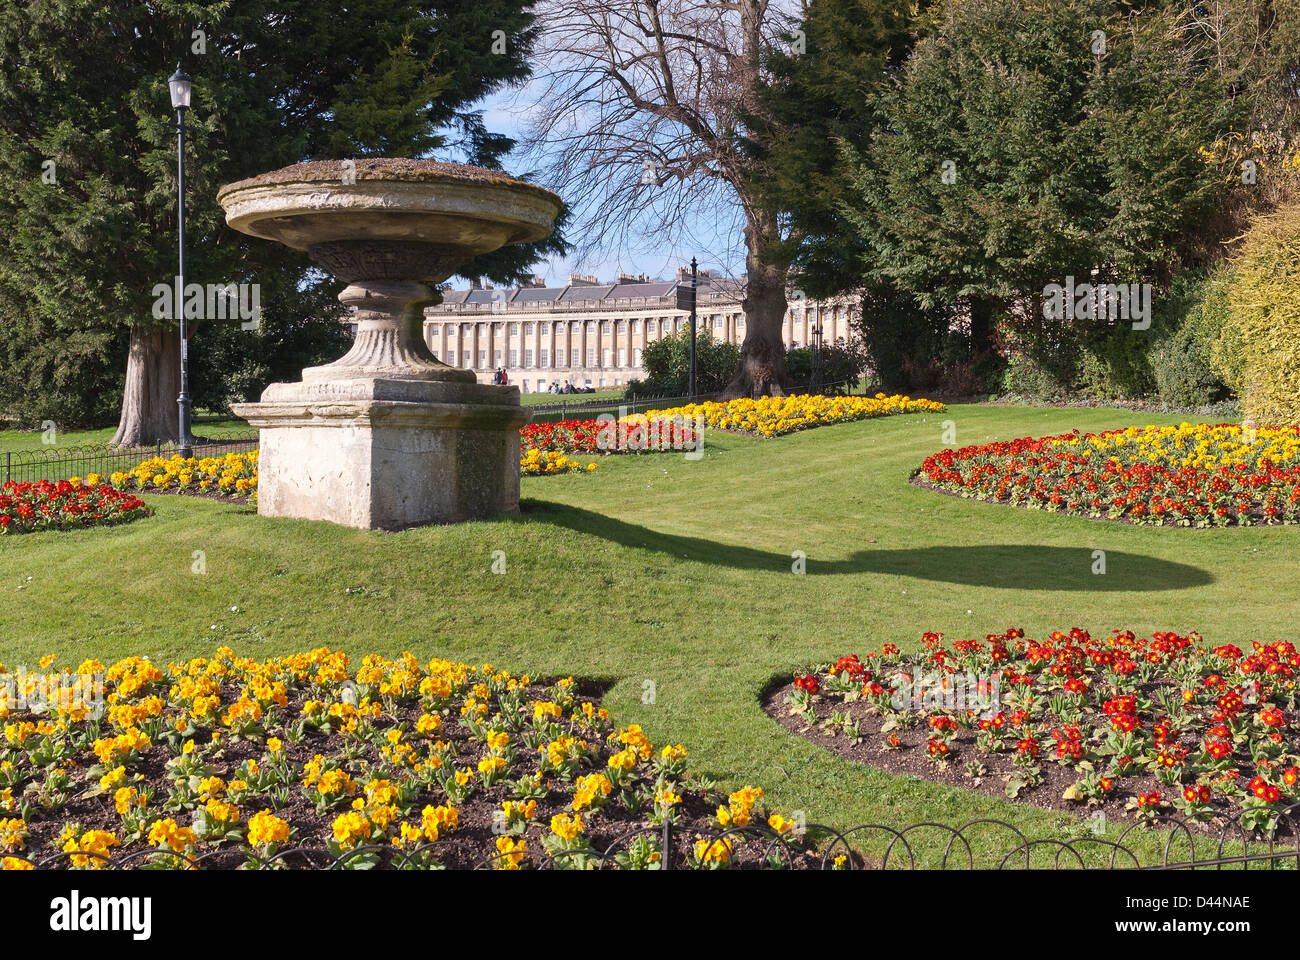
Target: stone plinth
[(387, 436), (387, 454)]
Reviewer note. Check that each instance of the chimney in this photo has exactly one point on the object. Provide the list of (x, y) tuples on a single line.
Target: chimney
[(583, 280), (684, 276)]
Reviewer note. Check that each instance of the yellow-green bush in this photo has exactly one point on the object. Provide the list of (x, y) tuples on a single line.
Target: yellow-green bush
[(1262, 289)]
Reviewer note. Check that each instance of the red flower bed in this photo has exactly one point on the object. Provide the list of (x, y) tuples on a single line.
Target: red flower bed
[(25, 507), (1197, 476), (1131, 724), (632, 435)]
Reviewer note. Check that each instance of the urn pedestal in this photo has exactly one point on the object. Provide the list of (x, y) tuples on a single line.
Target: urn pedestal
[(388, 437)]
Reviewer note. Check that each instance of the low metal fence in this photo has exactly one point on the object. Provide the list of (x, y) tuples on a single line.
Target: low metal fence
[(60, 462), (811, 847)]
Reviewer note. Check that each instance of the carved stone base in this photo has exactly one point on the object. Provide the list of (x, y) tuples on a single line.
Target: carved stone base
[(387, 454)]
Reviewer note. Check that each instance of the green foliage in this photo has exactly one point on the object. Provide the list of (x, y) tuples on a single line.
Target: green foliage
[(1170, 362), (827, 95), (1181, 357), (1261, 288), (300, 327), (840, 364), (668, 364)]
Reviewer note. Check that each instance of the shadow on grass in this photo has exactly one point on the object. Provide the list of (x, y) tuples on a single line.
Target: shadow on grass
[(1005, 565)]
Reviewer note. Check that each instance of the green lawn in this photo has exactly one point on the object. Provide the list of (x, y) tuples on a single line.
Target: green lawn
[(546, 399), (660, 569)]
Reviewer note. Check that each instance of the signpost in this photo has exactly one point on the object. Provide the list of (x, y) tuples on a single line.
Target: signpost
[(686, 301)]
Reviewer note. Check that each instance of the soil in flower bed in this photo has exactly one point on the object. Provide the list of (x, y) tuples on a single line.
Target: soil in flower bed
[(909, 759), (1136, 728), (399, 730)]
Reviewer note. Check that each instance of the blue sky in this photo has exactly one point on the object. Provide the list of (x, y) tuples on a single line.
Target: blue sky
[(717, 240)]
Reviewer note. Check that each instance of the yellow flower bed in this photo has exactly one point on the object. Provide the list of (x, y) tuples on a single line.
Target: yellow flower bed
[(234, 474), (223, 760), (1199, 446), (538, 463), (774, 416)]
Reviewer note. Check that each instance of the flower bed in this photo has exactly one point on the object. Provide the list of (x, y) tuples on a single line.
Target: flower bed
[(440, 762), (1129, 725), (65, 505), (632, 434), (1187, 475), (232, 475), (775, 416), (536, 463)]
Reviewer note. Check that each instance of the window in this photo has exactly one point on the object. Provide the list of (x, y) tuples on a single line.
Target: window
[(636, 357), (576, 358), (451, 358), (717, 322), (435, 329), (514, 329), (636, 326), (514, 358), (482, 359), (604, 357), (622, 357), (650, 326), (619, 327), (528, 358), (496, 358), (546, 359), (591, 356), (604, 326)]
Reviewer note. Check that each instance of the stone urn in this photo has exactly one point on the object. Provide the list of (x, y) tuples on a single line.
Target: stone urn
[(387, 436)]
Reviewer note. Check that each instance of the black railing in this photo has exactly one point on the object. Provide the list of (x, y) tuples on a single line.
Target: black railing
[(810, 847), (570, 406), (60, 463)]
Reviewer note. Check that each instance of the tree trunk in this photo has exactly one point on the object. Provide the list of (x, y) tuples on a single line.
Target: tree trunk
[(761, 371), (153, 377)]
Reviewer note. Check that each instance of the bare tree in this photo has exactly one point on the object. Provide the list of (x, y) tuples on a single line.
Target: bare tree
[(640, 121)]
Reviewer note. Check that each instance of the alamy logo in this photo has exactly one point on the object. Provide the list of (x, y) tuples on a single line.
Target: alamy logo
[(945, 691), (64, 692), (1099, 301), (214, 301), (643, 433), (73, 914)]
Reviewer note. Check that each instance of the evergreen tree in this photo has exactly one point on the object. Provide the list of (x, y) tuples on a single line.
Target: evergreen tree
[(87, 145), (1031, 140)]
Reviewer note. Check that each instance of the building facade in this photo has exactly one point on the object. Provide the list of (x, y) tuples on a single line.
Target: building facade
[(593, 334)]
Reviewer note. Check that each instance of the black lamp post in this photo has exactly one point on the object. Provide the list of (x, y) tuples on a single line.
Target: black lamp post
[(181, 89), (815, 380), (694, 296)]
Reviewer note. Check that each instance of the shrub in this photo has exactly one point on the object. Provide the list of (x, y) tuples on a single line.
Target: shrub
[(668, 365), (1261, 291), (839, 364)]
